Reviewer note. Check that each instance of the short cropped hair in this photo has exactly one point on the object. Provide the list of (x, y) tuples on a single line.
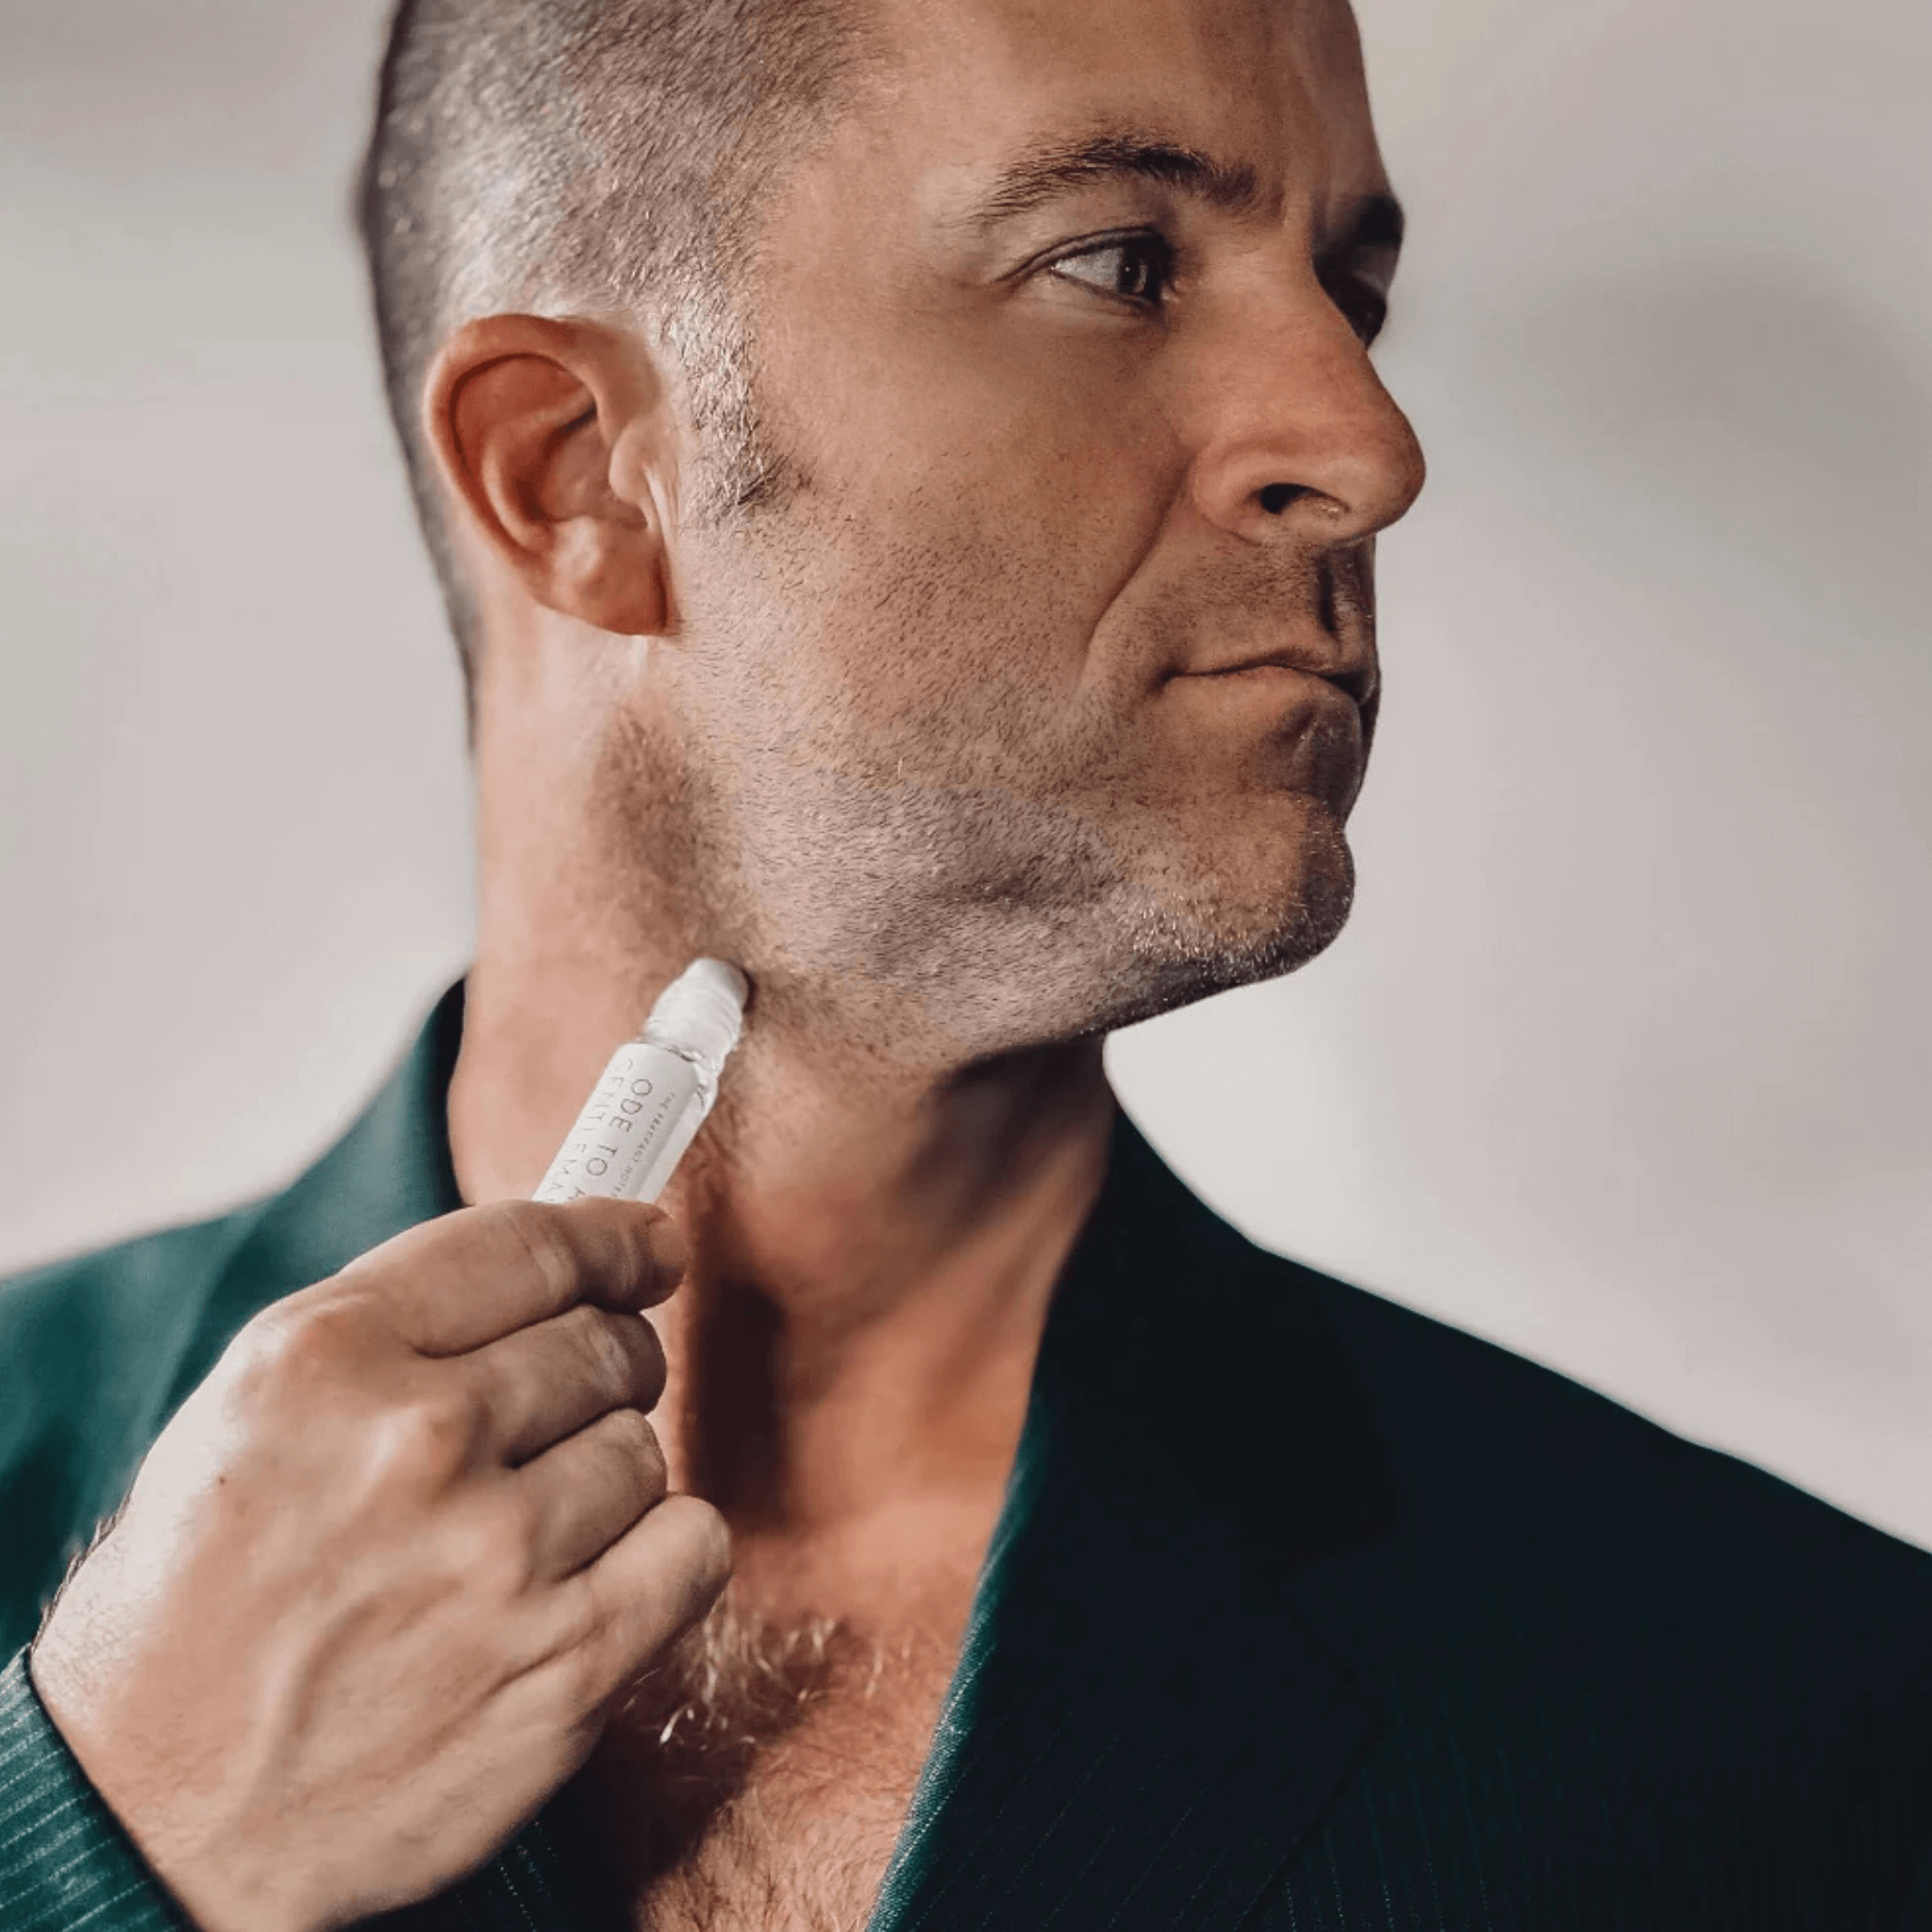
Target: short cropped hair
[(582, 157)]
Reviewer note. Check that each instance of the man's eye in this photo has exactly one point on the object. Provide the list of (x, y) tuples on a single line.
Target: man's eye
[(1365, 308), (1135, 268)]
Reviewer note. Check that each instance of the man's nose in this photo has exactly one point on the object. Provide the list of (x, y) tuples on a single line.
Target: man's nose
[(1299, 441)]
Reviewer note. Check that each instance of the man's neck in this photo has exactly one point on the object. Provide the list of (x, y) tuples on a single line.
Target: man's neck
[(874, 1246)]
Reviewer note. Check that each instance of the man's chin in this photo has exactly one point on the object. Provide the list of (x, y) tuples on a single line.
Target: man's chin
[(1112, 938), (1216, 936)]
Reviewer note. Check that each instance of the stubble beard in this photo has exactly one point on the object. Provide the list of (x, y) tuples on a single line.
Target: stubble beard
[(903, 886)]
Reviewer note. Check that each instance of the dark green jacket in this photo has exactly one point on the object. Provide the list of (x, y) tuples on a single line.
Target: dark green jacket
[(1303, 1612)]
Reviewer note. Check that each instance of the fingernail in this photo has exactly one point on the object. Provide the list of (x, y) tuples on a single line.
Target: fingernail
[(669, 1248)]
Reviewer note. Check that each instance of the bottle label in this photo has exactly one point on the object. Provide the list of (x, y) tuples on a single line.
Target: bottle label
[(646, 1107)]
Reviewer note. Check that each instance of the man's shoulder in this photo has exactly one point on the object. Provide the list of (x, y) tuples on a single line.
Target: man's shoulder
[(1527, 1510), (1442, 1435), (1601, 1624), (1470, 1420), (93, 1348)]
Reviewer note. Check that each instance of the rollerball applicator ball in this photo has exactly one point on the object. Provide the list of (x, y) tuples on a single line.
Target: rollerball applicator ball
[(656, 1092)]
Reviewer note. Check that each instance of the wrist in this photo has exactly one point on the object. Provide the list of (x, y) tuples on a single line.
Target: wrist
[(211, 1886)]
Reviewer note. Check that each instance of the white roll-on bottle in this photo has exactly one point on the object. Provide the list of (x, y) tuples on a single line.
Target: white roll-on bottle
[(656, 1092)]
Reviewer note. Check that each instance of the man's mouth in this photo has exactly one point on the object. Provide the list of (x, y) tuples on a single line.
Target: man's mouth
[(1358, 681)]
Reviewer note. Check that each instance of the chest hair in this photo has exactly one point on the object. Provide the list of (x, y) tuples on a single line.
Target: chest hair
[(758, 1777)]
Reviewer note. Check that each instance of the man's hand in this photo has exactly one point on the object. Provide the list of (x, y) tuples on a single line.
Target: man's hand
[(381, 1579)]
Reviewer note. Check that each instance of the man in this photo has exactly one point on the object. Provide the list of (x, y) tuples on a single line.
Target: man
[(905, 477)]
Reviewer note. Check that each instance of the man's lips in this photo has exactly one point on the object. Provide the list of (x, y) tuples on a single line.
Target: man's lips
[(1356, 680), (1316, 714)]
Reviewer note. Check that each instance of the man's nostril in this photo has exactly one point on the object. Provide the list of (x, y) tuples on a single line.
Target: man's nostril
[(1275, 497)]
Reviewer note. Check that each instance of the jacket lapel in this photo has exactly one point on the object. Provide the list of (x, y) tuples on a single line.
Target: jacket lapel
[(1139, 1731)]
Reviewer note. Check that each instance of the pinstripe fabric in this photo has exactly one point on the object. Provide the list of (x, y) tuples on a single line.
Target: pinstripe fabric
[(1096, 1765), (1507, 1820), (1319, 1617), (1304, 1614), (65, 1865)]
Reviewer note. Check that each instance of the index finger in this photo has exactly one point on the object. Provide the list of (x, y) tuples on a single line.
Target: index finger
[(476, 1276)]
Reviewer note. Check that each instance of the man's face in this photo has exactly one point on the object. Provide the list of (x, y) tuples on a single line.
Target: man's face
[(1037, 697)]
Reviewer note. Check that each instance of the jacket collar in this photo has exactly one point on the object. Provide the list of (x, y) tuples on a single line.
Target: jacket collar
[(1140, 1730)]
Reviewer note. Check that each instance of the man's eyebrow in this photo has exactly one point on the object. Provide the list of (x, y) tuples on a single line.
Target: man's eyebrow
[(1375, 221), (1047, 173)]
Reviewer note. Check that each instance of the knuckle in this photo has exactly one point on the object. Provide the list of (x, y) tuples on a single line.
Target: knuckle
[(605, 1357), (298, 1346), (429, 1436), (629, 1435), (491, 1548), (535, 1234)]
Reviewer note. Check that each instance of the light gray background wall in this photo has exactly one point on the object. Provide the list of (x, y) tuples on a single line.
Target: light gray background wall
[(1625, 1061)]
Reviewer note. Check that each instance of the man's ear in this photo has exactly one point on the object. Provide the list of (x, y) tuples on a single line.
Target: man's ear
[(556, 441)]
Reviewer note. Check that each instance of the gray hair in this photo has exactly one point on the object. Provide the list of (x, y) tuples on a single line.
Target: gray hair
[(584, 156)]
